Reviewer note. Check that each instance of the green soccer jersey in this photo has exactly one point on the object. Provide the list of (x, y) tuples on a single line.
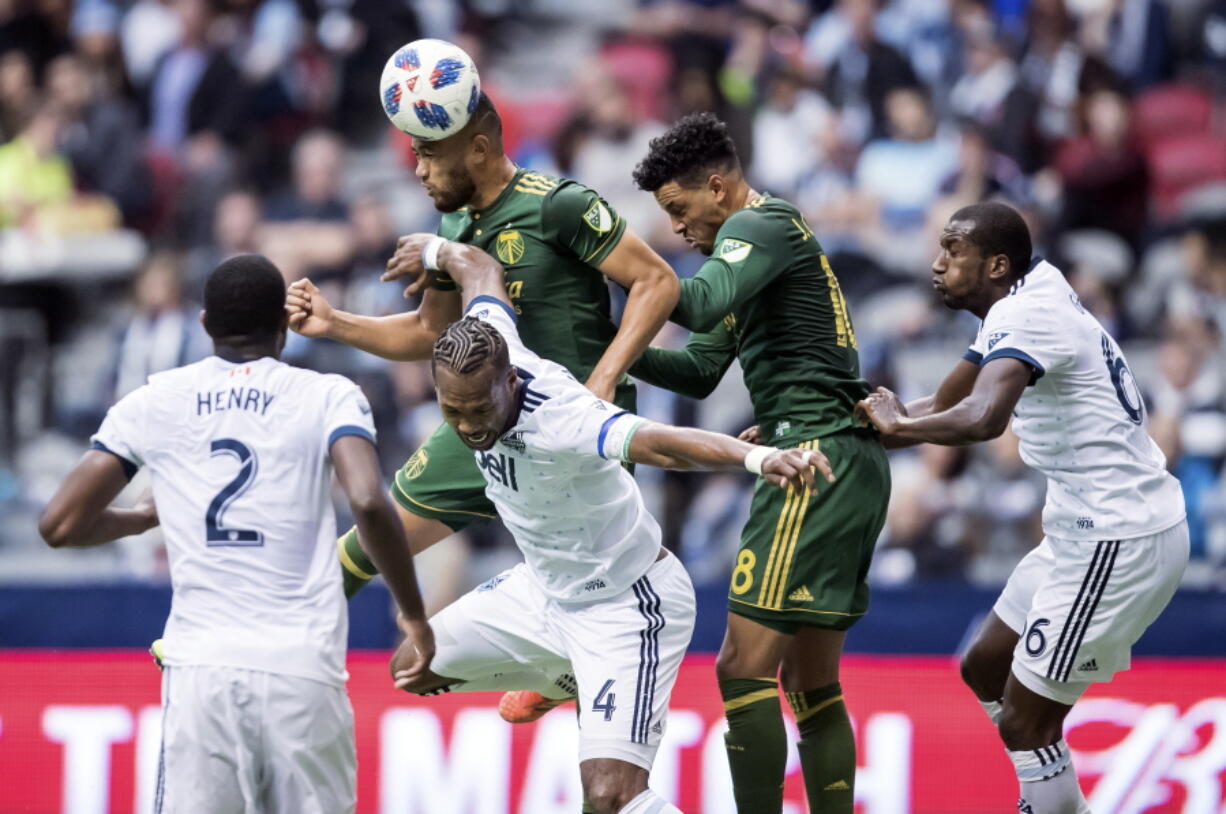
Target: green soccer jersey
[(768, 297), (550, 234)]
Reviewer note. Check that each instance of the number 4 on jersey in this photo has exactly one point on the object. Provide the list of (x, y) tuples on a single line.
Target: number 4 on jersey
[(604, 701), (215, 533)]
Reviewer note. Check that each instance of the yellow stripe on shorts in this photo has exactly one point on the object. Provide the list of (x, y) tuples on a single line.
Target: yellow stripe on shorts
[(790, 553)]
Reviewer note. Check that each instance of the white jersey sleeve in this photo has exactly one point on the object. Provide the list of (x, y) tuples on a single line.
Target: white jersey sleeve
[(1032, 335), (346, 412), (124, 431), (502, 317), (584, 425)]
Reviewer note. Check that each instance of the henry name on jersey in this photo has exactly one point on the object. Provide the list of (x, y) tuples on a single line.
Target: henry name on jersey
[(235, 398)]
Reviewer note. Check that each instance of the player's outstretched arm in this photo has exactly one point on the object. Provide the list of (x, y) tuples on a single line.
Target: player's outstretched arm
[(956, 387), (80, 513), (405, 337), (653, 290), (357, 468), (671, 447), (422, 257), (980, 416)]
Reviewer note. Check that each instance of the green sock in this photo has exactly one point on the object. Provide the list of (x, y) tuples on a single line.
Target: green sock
[(356, 567), (588, 808), (827, 749), (756, 742)]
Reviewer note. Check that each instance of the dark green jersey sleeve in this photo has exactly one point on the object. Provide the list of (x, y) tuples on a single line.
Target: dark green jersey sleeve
[(696, 369), (579, 219), (744, 261)]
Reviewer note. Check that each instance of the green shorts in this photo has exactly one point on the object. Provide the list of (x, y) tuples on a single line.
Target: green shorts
[(804, 562), (441, 482)]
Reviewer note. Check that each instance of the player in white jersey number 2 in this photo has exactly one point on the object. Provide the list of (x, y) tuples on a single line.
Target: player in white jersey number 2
[(597, 598), (1116, 539), (241, 449)]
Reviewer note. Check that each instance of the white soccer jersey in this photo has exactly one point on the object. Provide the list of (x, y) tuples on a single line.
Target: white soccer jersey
[(238, 455), (558, 483), (1082, 420)]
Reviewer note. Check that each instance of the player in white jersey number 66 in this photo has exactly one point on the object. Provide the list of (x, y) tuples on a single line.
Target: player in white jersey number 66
[(598, 608), (1116, 539)]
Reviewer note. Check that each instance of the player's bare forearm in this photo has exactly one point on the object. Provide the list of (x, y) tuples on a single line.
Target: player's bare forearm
[(693, 449), (687, 448), (653, 291), (981, 416), (477, 274), (80, 514), (953, 389), (399, 337), (382, 534)]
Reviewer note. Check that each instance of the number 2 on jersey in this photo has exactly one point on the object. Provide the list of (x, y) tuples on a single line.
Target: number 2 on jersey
[(215, 533)]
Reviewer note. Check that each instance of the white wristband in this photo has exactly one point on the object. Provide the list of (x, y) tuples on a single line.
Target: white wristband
[(429, 253), (755, 457)]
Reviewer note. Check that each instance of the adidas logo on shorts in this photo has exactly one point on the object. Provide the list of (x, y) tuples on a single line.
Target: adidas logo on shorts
[(801, 594), (1088, 667), (838, 785)]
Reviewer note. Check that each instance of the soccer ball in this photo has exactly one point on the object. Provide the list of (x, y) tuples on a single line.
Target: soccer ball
[(430, 89)]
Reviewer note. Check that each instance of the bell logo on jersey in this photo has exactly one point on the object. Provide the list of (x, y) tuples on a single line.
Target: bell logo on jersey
[(598, 218), (733, 251), (509, 246), (498, 468)]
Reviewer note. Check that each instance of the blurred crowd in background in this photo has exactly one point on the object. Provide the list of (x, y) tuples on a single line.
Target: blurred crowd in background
[(142, 142)]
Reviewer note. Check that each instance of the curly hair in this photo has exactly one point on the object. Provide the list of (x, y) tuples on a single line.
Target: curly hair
[(467, 344), (687, 152)]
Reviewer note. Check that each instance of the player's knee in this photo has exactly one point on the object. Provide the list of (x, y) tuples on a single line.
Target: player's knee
[(607, 795), (1019, 731), (728, 663)]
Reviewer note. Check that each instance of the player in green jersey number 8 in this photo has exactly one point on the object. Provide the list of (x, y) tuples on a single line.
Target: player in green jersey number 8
[(768, 297)]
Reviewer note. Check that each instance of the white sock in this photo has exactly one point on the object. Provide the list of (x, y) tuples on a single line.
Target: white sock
[(993, 709), (649, 803), (1048, 781)]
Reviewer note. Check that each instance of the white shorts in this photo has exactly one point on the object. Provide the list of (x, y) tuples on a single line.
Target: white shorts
[(244, 741), (1078, 607), (623, 651)]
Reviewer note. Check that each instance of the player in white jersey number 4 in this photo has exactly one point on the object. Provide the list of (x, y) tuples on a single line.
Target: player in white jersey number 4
[(241, 449), (1116, 539), (597, 598)]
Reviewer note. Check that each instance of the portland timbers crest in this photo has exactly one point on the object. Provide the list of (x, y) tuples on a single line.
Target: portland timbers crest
[(509, 246), (416, 464)]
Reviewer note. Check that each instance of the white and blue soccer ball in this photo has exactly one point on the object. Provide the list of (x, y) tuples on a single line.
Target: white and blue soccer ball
[(430, 89)]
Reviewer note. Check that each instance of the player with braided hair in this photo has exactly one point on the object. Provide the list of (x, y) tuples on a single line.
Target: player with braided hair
[(598, 608)]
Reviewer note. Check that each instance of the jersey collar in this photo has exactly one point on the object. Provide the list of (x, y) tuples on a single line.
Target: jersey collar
[(502, 196)]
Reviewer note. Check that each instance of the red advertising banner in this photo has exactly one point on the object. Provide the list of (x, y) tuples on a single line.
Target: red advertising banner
[(79, 734)]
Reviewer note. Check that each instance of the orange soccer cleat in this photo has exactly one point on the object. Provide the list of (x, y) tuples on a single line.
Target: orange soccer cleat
[(525, 706)]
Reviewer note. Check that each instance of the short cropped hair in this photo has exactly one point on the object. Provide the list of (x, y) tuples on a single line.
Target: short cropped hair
[(468, 344), (244, 297), (999, 229), (687, 153), (485, 120)]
